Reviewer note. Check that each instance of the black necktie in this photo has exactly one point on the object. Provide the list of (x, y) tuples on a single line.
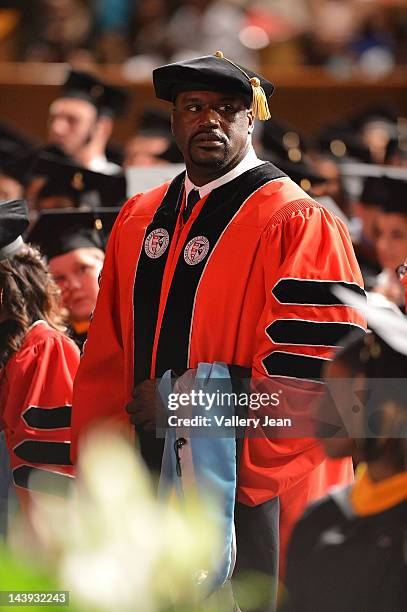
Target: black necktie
[(193, 198)]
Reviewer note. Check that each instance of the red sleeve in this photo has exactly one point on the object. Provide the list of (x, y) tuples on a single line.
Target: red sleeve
[(37, 399), (305, 248), (99, 389)]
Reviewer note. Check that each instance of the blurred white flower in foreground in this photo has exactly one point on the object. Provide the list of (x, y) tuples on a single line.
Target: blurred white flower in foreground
[(115, 546)]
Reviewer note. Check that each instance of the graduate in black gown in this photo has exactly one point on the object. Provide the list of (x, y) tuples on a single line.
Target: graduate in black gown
[(348, 553), (73, 242)]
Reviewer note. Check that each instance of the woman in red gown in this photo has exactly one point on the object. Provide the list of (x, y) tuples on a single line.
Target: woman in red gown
[(38, 363)]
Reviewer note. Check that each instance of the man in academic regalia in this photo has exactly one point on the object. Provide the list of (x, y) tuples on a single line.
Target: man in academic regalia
[(229, 262)]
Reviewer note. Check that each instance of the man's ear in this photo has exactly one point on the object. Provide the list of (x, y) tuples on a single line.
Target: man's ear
[(251, 121)]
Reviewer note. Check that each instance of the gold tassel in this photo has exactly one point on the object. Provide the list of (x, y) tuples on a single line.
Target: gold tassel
[(260, 105)]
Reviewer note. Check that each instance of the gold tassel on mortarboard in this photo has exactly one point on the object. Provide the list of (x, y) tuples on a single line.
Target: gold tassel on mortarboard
[(260, 105)]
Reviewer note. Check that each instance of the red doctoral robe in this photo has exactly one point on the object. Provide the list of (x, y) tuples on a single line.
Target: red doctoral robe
[(244, 281)]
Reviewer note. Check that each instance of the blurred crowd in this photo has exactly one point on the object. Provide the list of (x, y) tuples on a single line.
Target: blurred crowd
[(343, 35)]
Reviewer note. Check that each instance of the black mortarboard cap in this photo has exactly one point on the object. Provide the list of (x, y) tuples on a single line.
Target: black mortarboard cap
[(381, 112), (374, 191), (54, 151), (71, 180), (17, 153), (394, 195), (213, 73), (13, 222), (364, 182), (57, 232), (108, 100), (18, 167)]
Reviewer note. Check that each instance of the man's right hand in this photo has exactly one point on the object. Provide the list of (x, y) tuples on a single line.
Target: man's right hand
[(142, 408)]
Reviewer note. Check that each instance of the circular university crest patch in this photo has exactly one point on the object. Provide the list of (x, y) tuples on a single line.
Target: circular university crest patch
[(156, 243), (196, 250)]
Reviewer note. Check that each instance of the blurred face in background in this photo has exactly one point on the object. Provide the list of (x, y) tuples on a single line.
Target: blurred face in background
[(10, 189), (76, 273), (376, 137), (71, 124), (391, 239), (330, 171), (144, 151), (367, 213)]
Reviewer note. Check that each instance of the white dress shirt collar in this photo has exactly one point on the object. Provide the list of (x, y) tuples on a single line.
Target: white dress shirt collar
[(248, 162)]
